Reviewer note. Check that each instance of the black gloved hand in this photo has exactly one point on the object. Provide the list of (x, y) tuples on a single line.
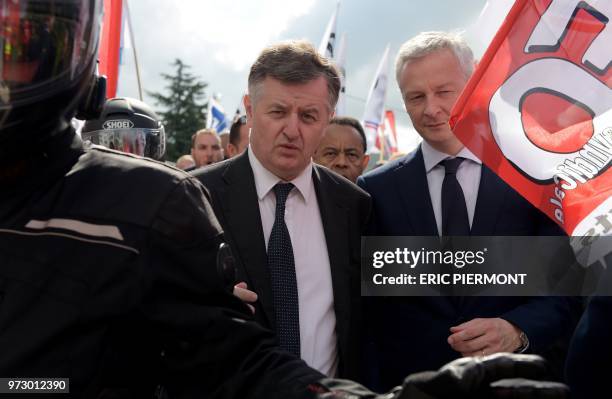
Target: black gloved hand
[(503, 375)]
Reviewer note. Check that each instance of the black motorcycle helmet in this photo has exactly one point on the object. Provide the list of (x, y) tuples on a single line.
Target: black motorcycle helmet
[(47, 69), (127, 125)]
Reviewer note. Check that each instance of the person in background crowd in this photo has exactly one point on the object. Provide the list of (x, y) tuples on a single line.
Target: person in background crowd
[(206, 147), (224, 136), (238, 137), (343, 148), (185, 162)]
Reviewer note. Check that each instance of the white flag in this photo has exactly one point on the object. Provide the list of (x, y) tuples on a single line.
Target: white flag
[(375, 104), (216, 116), (340, 61), (327, 46), (491, 17)]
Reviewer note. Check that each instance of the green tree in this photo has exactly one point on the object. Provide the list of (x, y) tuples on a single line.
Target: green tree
[(184, 110)]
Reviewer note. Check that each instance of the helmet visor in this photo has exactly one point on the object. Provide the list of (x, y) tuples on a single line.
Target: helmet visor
[(149, 143), (44, 43)]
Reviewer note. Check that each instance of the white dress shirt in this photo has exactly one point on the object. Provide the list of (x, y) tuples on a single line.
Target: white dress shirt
[(468, 176), (318, 343)]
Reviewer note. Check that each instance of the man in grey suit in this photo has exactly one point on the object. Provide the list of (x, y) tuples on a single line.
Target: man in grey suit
[(294, 226)]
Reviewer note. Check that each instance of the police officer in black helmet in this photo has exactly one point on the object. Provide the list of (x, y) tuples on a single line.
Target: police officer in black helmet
[(107, 260), (127, 125)]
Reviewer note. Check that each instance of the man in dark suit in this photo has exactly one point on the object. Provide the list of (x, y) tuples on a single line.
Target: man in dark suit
[(443, 189), (590, 351), (295, 226)]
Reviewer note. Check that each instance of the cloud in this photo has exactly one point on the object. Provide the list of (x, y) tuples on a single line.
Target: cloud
[(220, 39), (481, 32), (234, 32)]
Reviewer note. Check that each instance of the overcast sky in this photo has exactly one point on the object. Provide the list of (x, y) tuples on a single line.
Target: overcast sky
[(220, 40)]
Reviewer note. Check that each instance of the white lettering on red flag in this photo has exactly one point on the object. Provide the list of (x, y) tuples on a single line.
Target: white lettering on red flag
[(538, 110)]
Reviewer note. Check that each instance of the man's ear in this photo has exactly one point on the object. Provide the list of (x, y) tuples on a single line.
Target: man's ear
[(231, 150), (364, 162), (248, 106)]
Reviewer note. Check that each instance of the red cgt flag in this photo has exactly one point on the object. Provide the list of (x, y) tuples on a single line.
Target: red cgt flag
[(110, 43), (537, 110)]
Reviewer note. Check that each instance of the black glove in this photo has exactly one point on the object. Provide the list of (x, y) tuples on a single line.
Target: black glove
[(226, 266), (503, 375)]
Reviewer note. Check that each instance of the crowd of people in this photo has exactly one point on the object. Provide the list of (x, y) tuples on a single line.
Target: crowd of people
[(342, 148), (109, 266)]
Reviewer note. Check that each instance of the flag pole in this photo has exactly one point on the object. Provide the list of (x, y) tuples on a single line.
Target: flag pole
[(381, 137), (137, 65)]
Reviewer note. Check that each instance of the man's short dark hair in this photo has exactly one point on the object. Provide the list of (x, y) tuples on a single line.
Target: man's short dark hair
[(234, 133), (354, 123), (294, 62)]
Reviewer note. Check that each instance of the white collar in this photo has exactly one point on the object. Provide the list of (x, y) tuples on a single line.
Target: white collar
[(266, 180), (433, 157)]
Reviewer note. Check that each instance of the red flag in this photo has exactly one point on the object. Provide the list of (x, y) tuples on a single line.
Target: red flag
[(537, 110), (110, 42)]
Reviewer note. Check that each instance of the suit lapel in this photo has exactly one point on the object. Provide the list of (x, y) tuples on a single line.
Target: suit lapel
[(241, 211), (334, 215), (411, 182), (414, 191), (490, 202)]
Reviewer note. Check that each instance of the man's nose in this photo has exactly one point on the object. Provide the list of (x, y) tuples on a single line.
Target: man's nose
[(432, 106), (340, 161), (292, 126)]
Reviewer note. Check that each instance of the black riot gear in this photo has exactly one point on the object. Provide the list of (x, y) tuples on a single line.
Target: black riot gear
[(47, 69)]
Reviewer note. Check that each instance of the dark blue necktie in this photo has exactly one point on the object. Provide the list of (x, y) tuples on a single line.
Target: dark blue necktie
[(455, 221), (282, 272)]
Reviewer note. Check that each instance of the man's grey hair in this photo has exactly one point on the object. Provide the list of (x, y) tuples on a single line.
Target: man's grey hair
[(428, 42), (294, 62)]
